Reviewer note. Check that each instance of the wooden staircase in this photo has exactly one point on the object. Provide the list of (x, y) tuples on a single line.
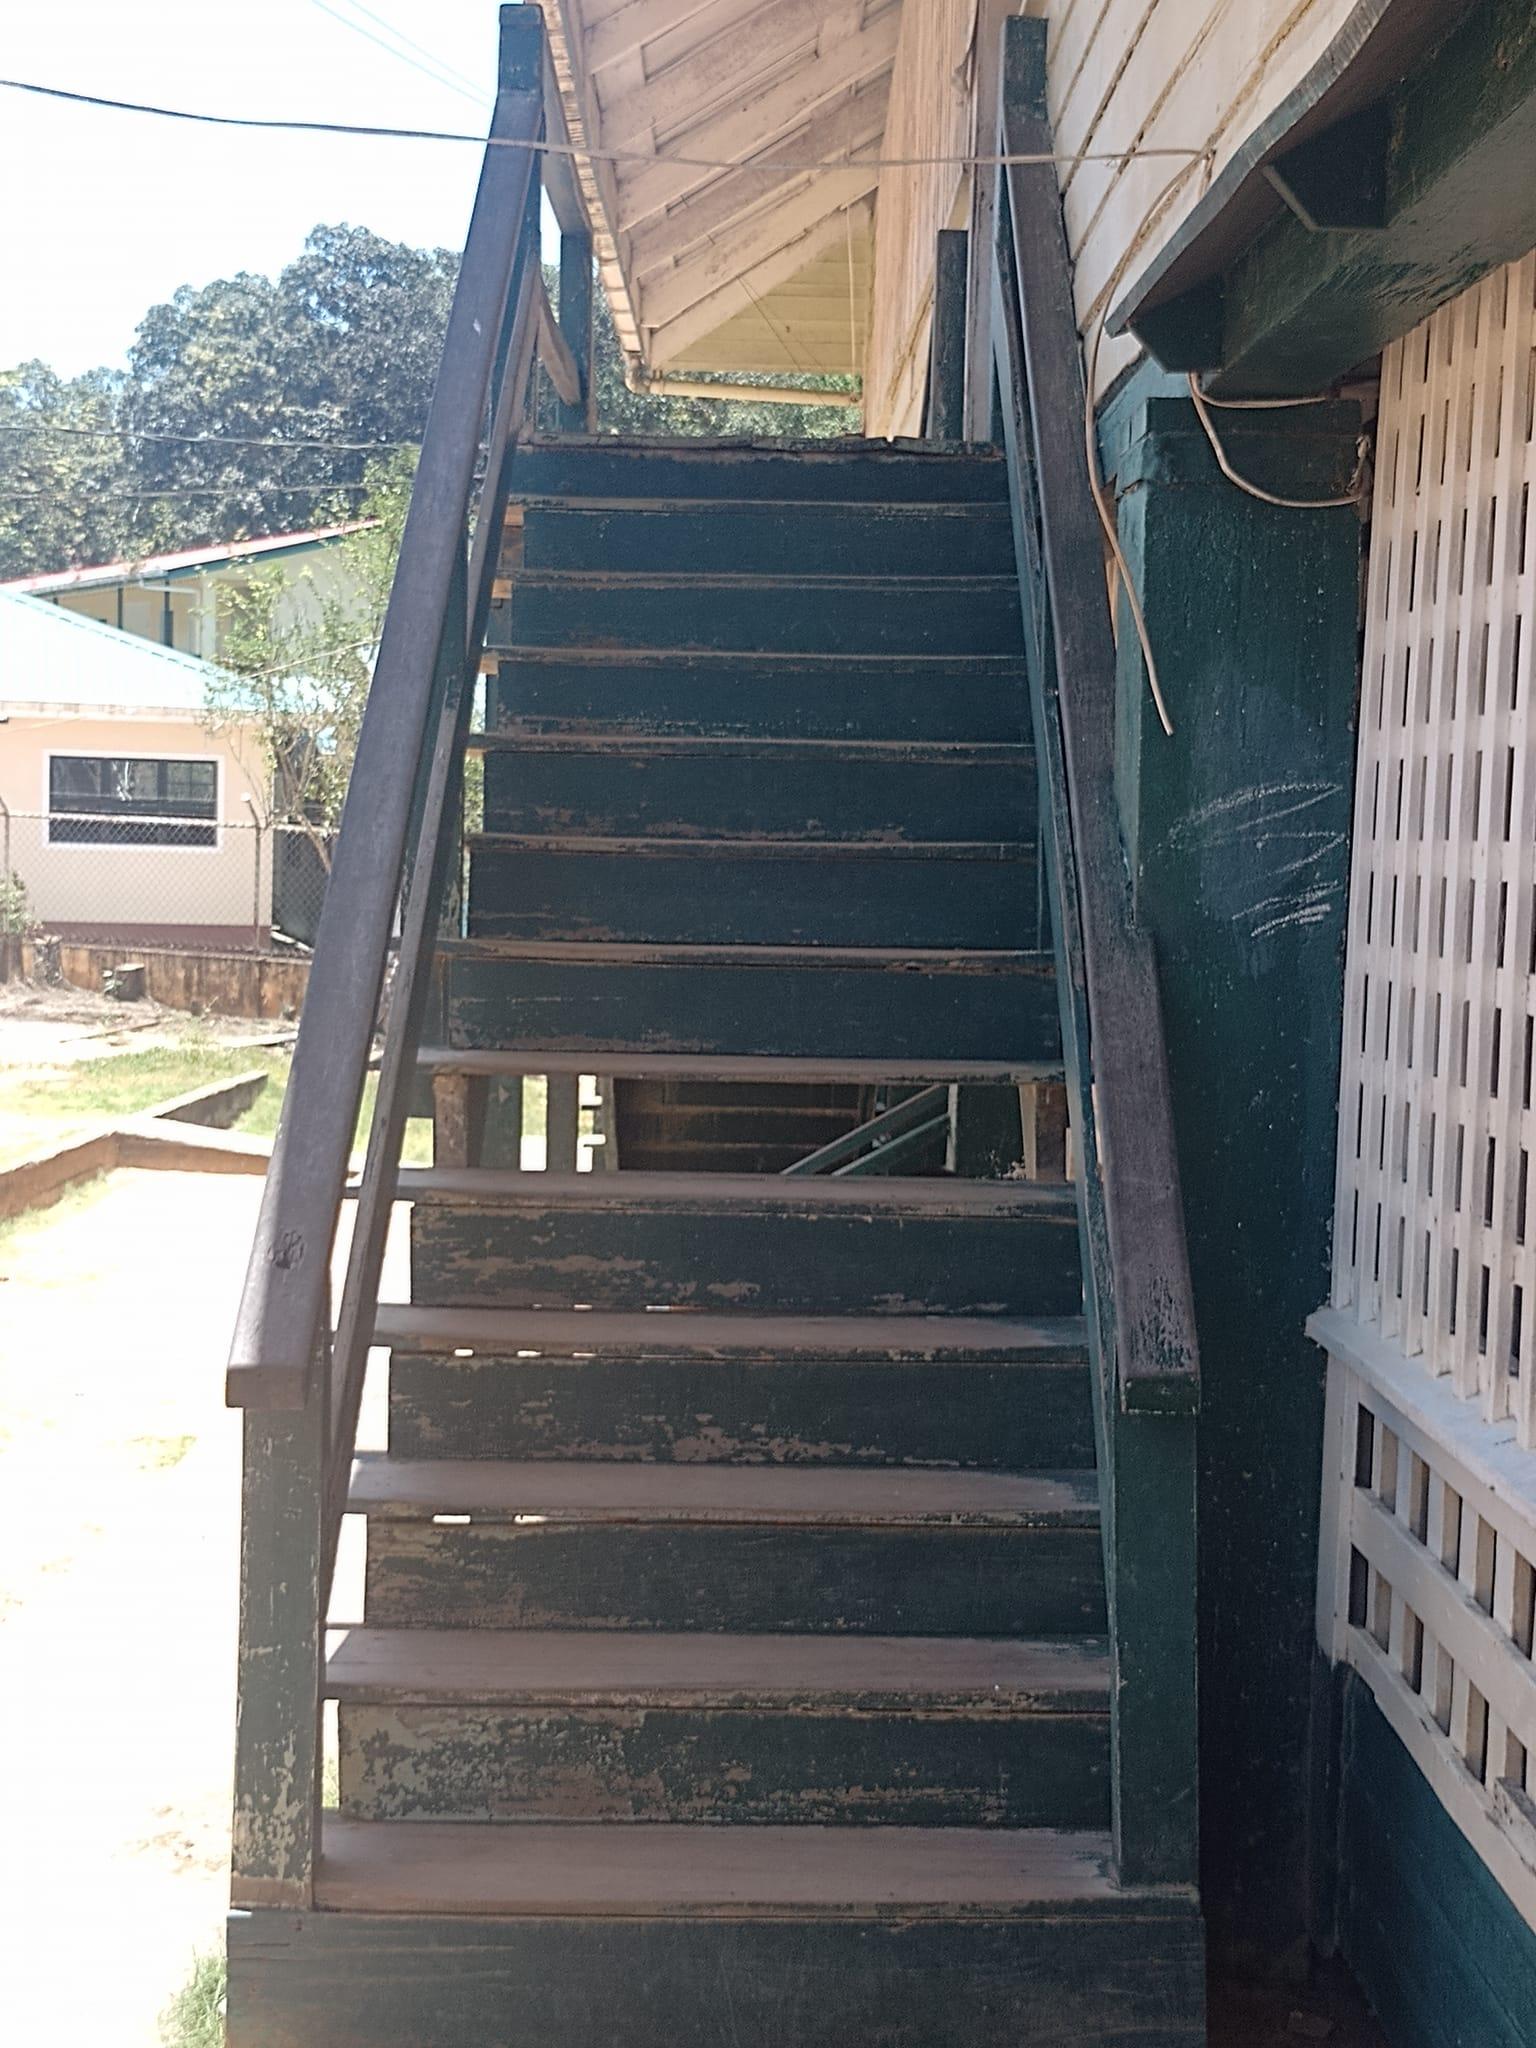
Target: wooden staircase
[(750, 1652)]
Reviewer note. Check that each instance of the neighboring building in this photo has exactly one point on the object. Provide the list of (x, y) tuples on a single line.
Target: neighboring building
[(173, 599), (122, 813)]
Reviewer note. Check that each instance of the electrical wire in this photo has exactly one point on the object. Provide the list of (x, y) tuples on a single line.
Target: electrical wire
[(201, 440), (401, 56), (964, 160), (232, 489), (1354, 496)]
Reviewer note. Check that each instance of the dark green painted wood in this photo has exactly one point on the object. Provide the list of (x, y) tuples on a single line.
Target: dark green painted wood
[(276, 1814), (858, 474), (702, 892), (1238, 837), (576, 286), (812, 1764), (735, 1578), (778, 1257), (733, 788), (946, 350), (1128, 1974), (1338, 179), (949, 615), (1444, 1957), (900, 697), (948, 1007), (751, 1411), (1300, 309), (676, 537)]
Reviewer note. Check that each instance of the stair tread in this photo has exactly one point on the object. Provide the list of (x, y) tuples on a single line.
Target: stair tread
[(641, 1066), (608, 1491), (630, 952), (757, 1193), (695, 1870), (652, 846), (587, 739), (593, 1332), (634, 1668)]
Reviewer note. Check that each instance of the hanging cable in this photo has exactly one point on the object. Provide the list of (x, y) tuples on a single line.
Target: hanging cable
[(1354, 496)]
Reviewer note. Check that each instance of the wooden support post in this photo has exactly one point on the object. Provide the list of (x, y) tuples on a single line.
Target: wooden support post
[(1043, 1109), (561, 1118), (986, 1139), (946, 354), (576, 326), (501, 1119), (277, 1730), (458, 1119)]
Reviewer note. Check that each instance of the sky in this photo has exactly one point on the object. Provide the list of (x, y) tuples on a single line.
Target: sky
[(104, 214)]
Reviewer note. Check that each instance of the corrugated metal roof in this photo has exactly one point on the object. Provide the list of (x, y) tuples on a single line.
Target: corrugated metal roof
[(52, 656), (185, 560)]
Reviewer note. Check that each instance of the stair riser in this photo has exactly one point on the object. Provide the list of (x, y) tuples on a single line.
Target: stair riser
[(813, 1263), (731, 1578), (780, 1411), (772, 900), (749, 476), (807, 1764), (707, 695), (1043, 1980), (754, 796), (810, 540), (948, 616), (887, 1012)]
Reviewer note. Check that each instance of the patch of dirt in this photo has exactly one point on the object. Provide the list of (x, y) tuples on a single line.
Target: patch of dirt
[(55, 1026)]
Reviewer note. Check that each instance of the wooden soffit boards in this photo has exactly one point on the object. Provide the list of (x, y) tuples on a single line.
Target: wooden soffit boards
[(1400, 170), (688, 250)]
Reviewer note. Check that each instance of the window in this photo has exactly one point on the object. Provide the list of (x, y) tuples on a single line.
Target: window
[(123, 800)]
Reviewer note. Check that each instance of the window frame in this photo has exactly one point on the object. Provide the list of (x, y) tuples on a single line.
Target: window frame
[(215, 824)]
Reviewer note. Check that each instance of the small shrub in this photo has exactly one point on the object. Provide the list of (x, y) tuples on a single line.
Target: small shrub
[(195, 2016), (16, 917)]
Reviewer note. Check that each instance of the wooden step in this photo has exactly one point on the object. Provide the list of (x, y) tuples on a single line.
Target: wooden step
[(442, 1724), (662, 1066), (474, 1544), (727, 892), (978, 1411), (834, 473), (945, 615), (978, 699), (807, 1246), (598, 785), (704, 537), (593, 1334), (907, 1006)]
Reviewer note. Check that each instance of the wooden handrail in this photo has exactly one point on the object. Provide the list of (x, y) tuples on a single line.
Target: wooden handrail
[(1123, 1105), (282, 1309)]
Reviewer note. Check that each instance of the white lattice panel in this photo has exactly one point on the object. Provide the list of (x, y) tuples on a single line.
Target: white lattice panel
[(1434, 1248)]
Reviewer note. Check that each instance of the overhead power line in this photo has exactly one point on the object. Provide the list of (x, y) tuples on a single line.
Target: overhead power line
[(201, 440), (237, 487), (775, 168), (428, 70)]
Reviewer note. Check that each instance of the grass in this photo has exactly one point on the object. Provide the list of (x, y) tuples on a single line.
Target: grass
[(260, 1120), (195, 2016), (97, 1091), (161, 1453)]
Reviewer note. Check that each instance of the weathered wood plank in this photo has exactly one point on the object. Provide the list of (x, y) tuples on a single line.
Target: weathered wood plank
[(1111, 1971), (881, 472), (697, 891), (761, 1002), (773, 1410), (946, 349), (895, 696)]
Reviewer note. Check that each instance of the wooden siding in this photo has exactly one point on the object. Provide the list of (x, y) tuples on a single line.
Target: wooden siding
[(1124, 74)]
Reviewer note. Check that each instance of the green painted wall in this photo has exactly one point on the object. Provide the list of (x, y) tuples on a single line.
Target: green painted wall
[(1238, 834), (1444, 1957)]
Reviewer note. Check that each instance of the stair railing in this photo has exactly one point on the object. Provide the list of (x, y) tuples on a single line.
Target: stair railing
[(1138, 1300), (394, 871)]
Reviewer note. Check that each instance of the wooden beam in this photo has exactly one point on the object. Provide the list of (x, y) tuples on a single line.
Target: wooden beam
[(746, 289), (646, 189), (855, 123), (946, 350), (1265, 303), (670, 293)]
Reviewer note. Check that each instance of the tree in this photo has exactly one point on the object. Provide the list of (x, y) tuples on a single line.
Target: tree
[(60, 475), (297, 657)]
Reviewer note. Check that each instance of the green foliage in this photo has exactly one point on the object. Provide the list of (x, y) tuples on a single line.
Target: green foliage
[(195, 2016), (297, 655), (15, 912), (60, 493)]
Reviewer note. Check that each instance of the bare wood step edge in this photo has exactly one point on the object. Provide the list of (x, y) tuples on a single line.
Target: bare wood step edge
[(501, 1490), (990, 852), (591, 1333), (661, 1066), (721, 1193), (515, 739), (672, 1871), (488, 1667)]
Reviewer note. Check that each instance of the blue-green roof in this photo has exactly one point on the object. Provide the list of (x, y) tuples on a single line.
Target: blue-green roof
[(52, 656)]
